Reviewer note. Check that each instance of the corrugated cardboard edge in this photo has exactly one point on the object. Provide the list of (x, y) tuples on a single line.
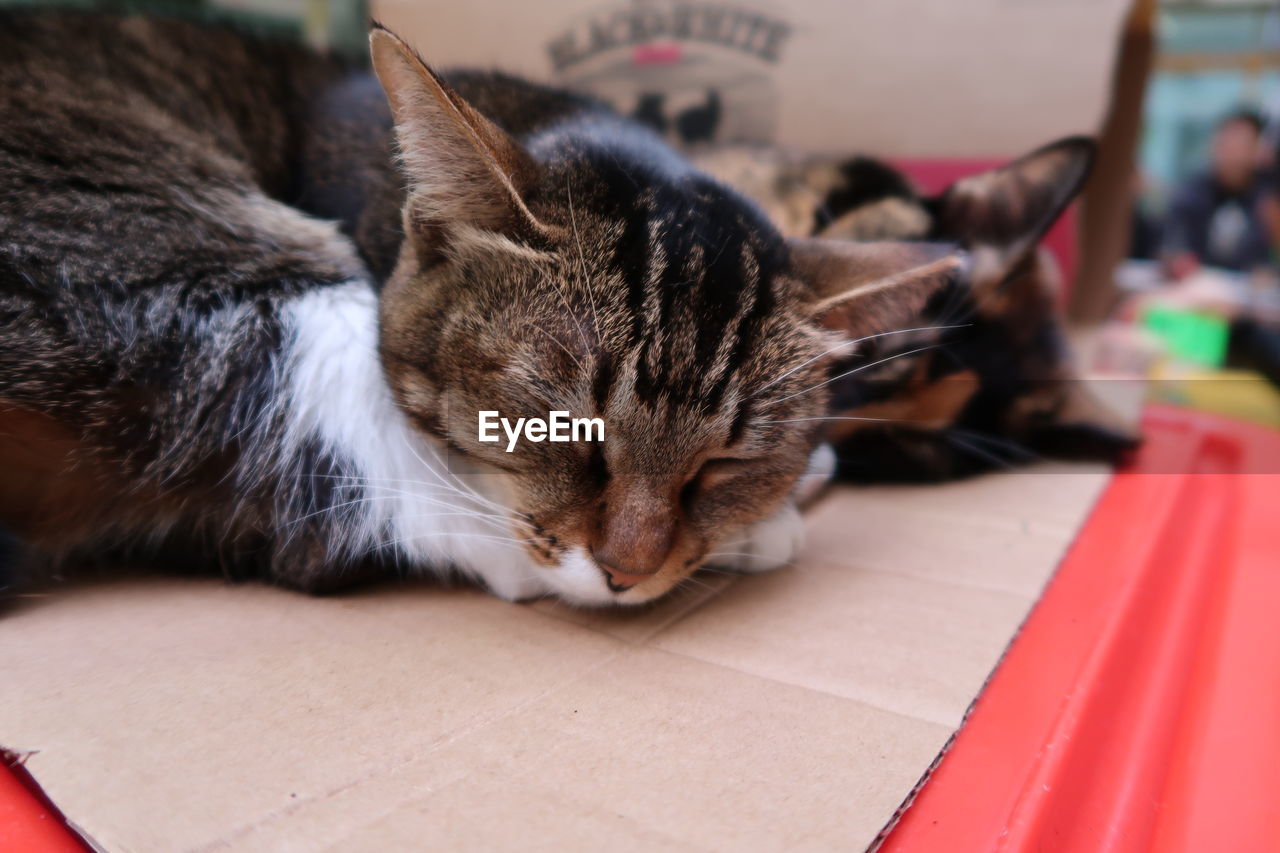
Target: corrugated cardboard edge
[(945, 739), (907, 802), (15, 763)]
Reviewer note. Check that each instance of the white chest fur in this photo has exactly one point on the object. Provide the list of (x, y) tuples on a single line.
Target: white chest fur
[(408, 502)]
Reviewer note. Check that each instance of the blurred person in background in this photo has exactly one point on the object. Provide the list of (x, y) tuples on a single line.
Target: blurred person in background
[(1270, 204), (1146, 230), (1217, 216)]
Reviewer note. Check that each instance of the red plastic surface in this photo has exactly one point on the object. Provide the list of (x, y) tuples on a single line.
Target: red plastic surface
[(1139, 708), (28, 823)]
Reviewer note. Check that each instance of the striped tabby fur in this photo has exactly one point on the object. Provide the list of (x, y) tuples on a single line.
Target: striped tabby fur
[(252, 300)]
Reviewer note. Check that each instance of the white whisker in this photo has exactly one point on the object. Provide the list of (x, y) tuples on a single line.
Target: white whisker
[(486, 519), (697, 582), (431, 537), (855, 342), (979, 451), (381, 493), (458, 486), (850, 373), (845, 418), (1002, 443)]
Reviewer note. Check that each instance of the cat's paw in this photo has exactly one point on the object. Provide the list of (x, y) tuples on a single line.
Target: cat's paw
[(514, 581), (822, 467), (765, 545)]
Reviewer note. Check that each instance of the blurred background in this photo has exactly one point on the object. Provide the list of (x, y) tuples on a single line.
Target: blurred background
[(1169, 260)]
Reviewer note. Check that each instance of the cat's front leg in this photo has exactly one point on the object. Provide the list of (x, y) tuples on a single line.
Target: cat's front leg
[(763, 546), (772, 543), (514, 579), (821, 469)]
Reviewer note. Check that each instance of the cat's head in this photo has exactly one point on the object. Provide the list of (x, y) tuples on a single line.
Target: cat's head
[(1004, 370), (591, 271)]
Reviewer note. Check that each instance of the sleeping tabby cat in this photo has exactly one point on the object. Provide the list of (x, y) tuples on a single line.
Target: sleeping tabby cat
[(233, 322), (988, 381), (236, 321)]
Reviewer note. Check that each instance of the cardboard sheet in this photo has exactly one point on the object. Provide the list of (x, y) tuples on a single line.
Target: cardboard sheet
[(793, 710), (982, 78)]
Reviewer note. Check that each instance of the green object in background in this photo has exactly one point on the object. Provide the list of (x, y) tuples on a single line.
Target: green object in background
[(1191, 336)]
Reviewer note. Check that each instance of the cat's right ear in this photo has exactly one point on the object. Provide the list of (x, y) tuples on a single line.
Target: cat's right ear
[(1001, 215), (863, 289), (462, 169)]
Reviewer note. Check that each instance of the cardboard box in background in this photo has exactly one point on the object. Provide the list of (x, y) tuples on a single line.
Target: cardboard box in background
[(902, 78)]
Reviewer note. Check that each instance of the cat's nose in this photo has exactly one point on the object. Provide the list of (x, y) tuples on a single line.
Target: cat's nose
[(636, 534), (620, 581)]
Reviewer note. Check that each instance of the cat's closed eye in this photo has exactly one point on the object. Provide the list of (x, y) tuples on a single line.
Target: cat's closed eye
[(712, 473)]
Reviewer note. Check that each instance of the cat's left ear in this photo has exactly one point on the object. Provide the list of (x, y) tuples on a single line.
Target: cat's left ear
[(462, 169), (867, 288)]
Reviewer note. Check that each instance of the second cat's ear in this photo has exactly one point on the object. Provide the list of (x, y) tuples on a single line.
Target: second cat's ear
[(460, 166), (1001, 215), (864, 289)]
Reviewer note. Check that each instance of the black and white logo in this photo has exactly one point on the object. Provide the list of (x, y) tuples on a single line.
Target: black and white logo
[(695, 72)]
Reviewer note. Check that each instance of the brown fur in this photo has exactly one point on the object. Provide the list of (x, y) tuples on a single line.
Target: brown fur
[(529, 314), (166, 200), (1003, 372)]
